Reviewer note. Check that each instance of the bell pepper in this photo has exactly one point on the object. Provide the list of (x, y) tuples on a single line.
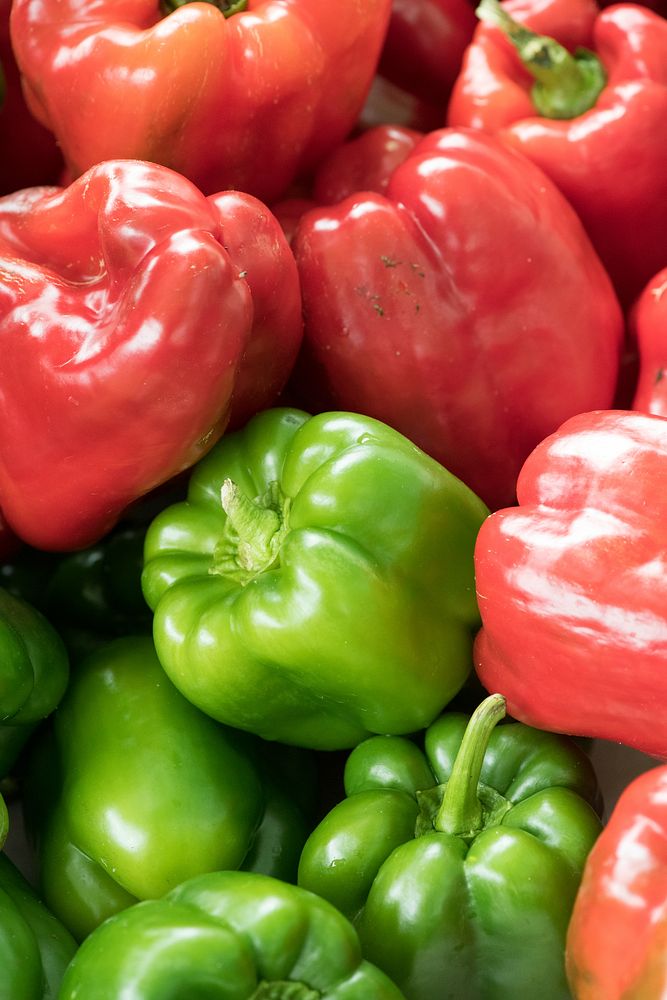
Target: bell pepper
[(28, 152), (466, 308), (571, 584), (617, 939), (35, 948), (153, 305), (648, 321), (34, 670), (228, 935), (459, 863), (134, 791), (243, 95), (424, 46), (583, 94), (320, 568)]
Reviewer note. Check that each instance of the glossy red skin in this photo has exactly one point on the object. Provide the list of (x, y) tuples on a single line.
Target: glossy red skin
[(617, 938), (28, 151), (648, 322), (246, 102), (466, 308), (123, 325), (572, 587), (424, 45), (611, 161), (256, 243), (364, 163)]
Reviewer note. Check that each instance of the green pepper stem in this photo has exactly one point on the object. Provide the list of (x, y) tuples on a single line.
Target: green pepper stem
[(256, 526), (460, 812), (566, 84)]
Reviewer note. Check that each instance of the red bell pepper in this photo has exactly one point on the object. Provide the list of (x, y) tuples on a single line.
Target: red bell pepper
[(364, 163), (466, 308), (648, 322), (243, 101), (572, 586), (28, 151), (617, 938), (132, 309), (424, 46), (594, 121)]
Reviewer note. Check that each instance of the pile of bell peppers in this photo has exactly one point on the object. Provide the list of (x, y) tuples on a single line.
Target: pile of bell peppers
[(333, 499)]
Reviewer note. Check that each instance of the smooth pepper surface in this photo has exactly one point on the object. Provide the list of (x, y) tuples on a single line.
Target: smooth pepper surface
[(572, 586), (316, 585), (617, 939), (136, 791), (35, 948), (34, 670), (227, 936), (243, 101), (459, 863)]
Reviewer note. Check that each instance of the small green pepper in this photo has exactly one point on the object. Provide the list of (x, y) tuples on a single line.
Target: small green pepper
[(227, 936), (317, 586), (135, 790), (34, 669), (460, 864), (34, 947)]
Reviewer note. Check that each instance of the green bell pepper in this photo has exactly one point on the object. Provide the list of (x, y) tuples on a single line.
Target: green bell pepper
[(35, 948), (227, 936), (34, 670), (133, 790), (459, 864), (317, 586)]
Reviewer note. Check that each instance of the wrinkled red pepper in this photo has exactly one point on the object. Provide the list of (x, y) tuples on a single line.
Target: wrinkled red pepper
[(245, 101), (594, 123), (466, 308), (617, 938), (28, 151), (648, 321), (572, 587), (132, 310)]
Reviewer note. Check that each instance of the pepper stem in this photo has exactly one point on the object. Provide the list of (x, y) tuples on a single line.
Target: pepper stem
[(566, 84), (253, 533), (461, 813)]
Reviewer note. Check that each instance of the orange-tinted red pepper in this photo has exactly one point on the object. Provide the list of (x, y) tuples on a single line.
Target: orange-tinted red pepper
[(617, 938), (245, 101), (607, 149)]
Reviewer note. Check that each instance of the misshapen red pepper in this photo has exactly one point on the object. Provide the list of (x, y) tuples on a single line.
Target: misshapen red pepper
[(594, 122), (648, 321), (466, 308), (132, 309), (572, 586), (242, 102), (617, 938)]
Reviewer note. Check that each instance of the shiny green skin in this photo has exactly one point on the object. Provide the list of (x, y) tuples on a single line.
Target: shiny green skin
[(227, 936), (135, 790), (371, 596), (34, 669), (35, 948), (460, 918)]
